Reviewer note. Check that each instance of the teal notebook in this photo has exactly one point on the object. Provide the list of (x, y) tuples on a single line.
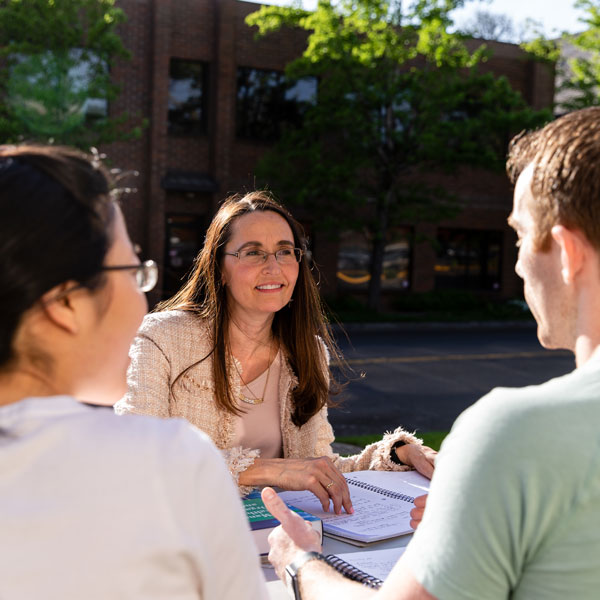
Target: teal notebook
[(262, 522)]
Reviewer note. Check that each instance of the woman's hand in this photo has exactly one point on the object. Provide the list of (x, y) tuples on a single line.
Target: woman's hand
[(416, 514), (318, 475), (422, 458)]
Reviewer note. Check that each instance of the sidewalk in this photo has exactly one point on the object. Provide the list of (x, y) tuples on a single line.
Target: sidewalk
[(433, 326)]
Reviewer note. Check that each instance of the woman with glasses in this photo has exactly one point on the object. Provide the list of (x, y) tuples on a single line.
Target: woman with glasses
[(93, 505), (242, 351)]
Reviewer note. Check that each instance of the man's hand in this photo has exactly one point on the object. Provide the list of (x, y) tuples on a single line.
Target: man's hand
[(422, 458), (416, 513), (294, 535)]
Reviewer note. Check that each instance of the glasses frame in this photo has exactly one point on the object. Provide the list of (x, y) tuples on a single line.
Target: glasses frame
[(298, 252), (148, 270)]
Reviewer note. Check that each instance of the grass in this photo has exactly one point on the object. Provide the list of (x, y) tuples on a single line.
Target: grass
[(433, 439)]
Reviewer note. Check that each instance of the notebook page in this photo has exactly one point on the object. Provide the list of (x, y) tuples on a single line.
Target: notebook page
[(410, 483), (378, 563), (376, 516)]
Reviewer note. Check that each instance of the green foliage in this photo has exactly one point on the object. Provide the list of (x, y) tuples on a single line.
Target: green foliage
[(581, 85), (579, 67), (433, 439), (58, 57), (438, 306), (400, 98)]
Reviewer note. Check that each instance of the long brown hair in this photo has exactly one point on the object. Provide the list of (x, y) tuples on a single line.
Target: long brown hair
[(301, 327)]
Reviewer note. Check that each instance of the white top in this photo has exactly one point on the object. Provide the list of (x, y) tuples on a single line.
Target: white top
[(98, 506), (260, 425)]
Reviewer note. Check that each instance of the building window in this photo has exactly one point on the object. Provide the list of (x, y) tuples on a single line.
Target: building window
[(188, 93), (468, 259), (184, 237), (354, 260), (267, 102)]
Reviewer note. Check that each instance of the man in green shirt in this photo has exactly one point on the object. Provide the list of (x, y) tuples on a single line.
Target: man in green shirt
[(514, 506)]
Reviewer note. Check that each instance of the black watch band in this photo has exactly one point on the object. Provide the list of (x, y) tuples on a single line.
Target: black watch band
[(293, 568), (393, 456)]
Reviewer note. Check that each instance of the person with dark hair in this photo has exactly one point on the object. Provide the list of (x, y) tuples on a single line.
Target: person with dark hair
[(514, 505), (93, 505), (242, 351)]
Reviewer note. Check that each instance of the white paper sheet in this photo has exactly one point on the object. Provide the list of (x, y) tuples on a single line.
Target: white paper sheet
[(378, 563)]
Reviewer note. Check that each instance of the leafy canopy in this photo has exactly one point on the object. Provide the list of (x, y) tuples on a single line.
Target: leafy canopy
[(400, 99), (58, 56)]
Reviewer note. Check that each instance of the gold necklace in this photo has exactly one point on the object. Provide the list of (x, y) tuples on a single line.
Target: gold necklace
[(255, 399)]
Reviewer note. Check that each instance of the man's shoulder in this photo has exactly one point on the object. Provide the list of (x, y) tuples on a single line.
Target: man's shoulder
[(537, 419), (580, 387)]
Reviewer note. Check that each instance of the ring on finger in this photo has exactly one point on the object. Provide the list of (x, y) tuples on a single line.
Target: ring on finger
[(329, 484)]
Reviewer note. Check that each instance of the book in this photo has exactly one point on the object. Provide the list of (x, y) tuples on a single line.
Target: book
[(382, 502), (262, 522), (376, 564)]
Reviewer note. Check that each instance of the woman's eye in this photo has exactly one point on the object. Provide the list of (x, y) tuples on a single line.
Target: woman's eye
[(285, 252), (253, 252)]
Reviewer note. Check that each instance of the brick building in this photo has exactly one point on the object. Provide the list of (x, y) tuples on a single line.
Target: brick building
[(196, 74)]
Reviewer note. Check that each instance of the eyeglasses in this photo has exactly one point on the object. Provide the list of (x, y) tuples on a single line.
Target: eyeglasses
[(146, 273), (285, 256)]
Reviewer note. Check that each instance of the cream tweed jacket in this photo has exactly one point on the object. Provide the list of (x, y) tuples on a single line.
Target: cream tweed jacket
[(169, 342)]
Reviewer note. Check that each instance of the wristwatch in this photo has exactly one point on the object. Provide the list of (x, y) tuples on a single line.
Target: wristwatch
[(292, 571)]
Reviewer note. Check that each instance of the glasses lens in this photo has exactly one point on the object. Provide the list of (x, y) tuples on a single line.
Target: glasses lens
[(253, 257), (147, 275), (289, 256)]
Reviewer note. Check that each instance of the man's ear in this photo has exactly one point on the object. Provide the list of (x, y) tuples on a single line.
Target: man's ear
[(58, 307), (572, 251)]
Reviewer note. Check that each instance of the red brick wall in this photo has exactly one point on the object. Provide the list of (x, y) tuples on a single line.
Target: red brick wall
[(214, 31)]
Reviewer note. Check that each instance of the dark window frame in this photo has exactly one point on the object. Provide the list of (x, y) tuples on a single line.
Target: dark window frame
[(265, 104), (177, 122)]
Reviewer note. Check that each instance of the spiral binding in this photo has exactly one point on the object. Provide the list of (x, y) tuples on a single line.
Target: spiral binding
[(380, 490), (351, 572)]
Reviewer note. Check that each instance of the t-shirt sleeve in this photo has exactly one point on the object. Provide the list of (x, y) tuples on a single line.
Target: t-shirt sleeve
[(474, 535)]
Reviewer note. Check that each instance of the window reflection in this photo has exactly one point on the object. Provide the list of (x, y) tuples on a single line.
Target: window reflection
[(188, 82), (267, 101), (468, 259), (354, 259)]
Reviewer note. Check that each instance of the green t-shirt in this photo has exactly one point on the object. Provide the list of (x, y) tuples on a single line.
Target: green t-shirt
[(514, 505)]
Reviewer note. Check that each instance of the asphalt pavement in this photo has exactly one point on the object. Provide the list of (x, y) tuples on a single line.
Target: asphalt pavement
[(422, 376)]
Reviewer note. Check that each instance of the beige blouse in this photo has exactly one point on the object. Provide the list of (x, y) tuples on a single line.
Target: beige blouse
[(168, 342), (259, 426)]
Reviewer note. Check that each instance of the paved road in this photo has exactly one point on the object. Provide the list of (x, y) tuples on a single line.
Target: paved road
[(424, 378)]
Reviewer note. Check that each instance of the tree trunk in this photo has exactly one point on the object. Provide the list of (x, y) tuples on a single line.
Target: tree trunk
[(378, 251)]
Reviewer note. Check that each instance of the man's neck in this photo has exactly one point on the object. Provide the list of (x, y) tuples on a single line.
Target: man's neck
[(586, 349)]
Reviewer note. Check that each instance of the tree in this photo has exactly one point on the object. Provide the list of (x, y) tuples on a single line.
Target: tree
[(579, 67), (490, 26), (56, 84), (399, 100)]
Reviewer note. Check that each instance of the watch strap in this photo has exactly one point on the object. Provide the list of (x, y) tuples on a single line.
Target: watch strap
[(293, 568)]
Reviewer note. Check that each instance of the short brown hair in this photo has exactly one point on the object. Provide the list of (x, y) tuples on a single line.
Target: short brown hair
[(566, 173)]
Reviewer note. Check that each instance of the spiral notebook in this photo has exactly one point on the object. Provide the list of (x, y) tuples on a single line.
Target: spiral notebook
[(382, 502)]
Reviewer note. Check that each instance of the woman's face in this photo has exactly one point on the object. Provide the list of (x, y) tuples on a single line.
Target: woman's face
[(119, 309), (259, 290)]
